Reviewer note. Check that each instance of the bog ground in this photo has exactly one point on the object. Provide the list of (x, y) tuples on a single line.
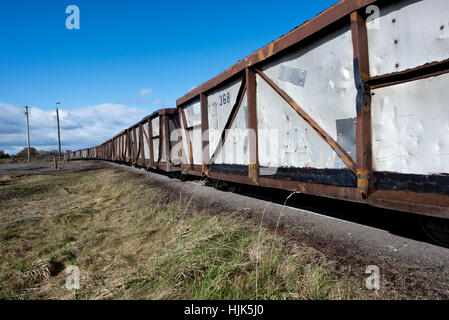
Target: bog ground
[(135, 235)]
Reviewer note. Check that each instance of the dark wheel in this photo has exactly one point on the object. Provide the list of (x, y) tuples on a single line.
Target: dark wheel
[(436, 229), (232, 187)]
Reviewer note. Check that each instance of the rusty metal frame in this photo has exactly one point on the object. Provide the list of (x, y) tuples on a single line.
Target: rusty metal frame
[(325, 19), (164, 120), (190, 165), (424, 203), (141, 160), (161, 139), (134, 144), (204, 133), (363, 103), (230, 121), (253, 132), (347, 160), (427, 70), (150, 142)]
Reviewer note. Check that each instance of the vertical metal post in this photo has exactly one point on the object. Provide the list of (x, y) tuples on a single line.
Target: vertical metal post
[(133, 145), (167, 142), (28, 132), (363, 103), (253, 143), (141, 146), (59, 133), (204, 133), (151, 145)]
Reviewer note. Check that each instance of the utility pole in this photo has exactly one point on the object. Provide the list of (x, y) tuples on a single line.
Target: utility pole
[(28, 132), (59, 130)]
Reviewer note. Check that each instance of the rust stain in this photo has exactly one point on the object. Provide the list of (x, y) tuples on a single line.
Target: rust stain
[(260, 54), (270, 49), (252, 172), (205, 169), (363, 178)]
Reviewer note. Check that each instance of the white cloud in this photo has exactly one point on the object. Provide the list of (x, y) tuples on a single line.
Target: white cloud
[(162, 104), (80, 127), (145, 91)]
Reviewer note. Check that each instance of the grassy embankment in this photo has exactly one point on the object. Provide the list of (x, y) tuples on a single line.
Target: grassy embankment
[(130, 242)]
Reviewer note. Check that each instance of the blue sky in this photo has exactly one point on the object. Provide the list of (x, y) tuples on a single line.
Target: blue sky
[(135, 53)]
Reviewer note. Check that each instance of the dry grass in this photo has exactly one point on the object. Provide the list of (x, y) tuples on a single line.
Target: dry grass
[(129, 242)]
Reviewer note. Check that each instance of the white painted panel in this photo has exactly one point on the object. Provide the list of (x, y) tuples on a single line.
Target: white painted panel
[(285, 139), (175, 139), (146, 147), (417, 28), (138, 142), (193, 113), (125, 141), (235, 148), (410, 124), (197, 145), (320, 78), (195, 138), (156, 149), (185, 144), (155, 126), (162, 140), (220, 103)]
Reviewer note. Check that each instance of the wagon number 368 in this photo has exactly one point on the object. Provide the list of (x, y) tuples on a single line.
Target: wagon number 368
[(225, 98)]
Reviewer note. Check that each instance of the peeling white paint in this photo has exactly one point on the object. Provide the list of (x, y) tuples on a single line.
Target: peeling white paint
[(417, 28), (329, 91), (220, 103), (146, 143), (285, 139), (410, 127), (193, 118), (327, 94)]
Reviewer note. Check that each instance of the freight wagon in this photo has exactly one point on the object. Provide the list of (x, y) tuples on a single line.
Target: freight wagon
[(149, 143), (351, 105)]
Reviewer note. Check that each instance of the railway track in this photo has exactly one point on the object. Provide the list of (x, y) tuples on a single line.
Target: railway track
[(363, 230)]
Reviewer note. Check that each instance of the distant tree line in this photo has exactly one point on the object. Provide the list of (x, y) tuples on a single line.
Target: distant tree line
[(35, 155), (4, 155)]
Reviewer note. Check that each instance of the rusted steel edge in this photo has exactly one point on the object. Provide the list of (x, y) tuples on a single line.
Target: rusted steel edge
[(146, 135), (329, 191), (230, 121), (427, 70), (195, 169), (165, 120), (253, 133), (350, 164), (150, 141), (177, 127), (168, 111), (204, 133), (159, 158), (175, 123), (142, 144), (332, 15), (363, 102), (136, 147)]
